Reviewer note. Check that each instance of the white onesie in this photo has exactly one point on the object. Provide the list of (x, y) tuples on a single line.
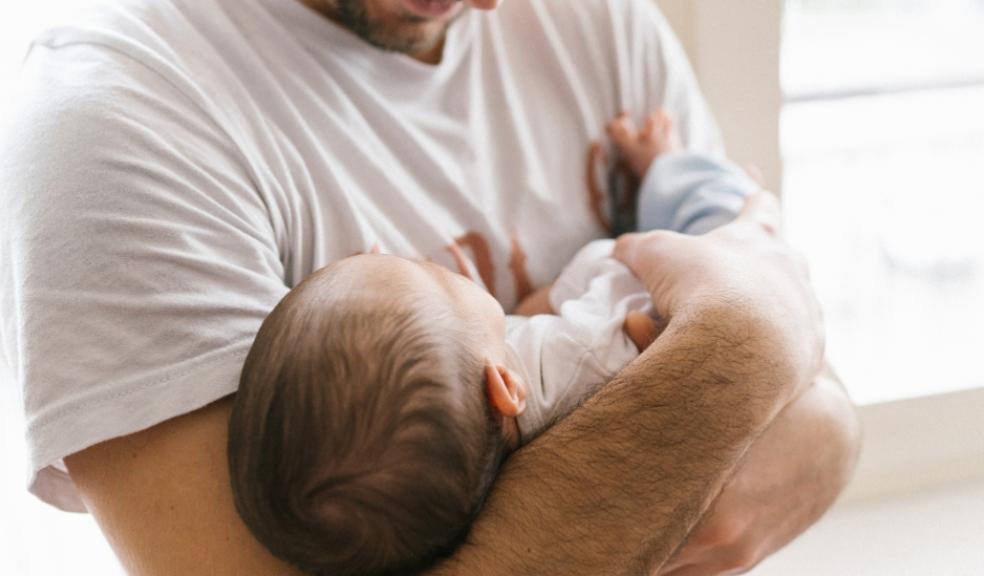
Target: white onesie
[(565, 358)]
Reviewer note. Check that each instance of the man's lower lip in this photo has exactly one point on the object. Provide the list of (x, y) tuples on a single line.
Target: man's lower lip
[(430, 8)]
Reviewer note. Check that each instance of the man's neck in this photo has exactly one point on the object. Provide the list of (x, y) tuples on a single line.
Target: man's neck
[(432, 55)]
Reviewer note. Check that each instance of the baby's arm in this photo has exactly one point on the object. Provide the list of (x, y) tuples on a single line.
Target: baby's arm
[(536, 303)]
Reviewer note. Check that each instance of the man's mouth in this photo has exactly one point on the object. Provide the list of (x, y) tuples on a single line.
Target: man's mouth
[(431, 8)]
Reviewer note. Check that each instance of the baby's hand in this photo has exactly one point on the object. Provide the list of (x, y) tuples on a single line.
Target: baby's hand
[(638, 148)]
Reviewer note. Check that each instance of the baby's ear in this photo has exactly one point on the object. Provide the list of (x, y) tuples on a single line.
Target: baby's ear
[(506, 390)]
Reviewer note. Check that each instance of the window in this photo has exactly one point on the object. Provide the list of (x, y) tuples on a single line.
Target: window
[(883, 149)]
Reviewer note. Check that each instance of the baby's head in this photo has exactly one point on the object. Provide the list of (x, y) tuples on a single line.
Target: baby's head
[(373, 411)]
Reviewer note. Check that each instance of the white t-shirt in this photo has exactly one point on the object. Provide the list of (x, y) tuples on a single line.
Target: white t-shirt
[(173, 167)]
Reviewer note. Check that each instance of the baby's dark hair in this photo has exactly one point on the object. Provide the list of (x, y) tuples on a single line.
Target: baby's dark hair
[(361, 441)]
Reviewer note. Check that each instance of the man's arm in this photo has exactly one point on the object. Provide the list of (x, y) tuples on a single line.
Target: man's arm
[(613, 489), (162, 498), (587, 498), (784, 484)]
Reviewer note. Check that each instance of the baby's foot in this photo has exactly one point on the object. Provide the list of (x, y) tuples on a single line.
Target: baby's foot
[(639, 147)]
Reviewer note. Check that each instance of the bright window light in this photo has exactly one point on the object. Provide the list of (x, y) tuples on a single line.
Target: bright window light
[(883, 140)]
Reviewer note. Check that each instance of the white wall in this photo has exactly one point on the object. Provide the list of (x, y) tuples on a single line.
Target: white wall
[(735, 47)]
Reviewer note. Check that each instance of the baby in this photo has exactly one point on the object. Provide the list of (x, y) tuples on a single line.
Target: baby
[(381, 395)]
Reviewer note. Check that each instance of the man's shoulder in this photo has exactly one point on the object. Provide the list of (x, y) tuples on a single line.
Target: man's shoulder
[(106, 37), (144, 22), (110, 61)]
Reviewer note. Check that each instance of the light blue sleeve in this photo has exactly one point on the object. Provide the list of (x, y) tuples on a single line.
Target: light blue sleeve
[(691, 193)]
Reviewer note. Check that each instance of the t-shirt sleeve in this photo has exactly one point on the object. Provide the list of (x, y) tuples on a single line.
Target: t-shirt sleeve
[(692, 193), (137, 259)]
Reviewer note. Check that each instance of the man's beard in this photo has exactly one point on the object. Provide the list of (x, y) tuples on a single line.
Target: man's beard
[(406, 38)]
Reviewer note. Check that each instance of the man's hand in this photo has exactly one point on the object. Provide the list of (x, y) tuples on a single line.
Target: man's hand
[(744, 266), (795, 470), (786, 481)]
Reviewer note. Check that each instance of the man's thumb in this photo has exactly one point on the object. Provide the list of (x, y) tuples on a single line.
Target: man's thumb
[(626, 246), (640, 250)]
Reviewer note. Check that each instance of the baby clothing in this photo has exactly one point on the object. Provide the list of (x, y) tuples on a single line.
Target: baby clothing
[(565, 358)]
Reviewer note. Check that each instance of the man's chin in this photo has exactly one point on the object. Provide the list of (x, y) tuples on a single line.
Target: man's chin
[(410, 42), (403, 26), (414, 35)]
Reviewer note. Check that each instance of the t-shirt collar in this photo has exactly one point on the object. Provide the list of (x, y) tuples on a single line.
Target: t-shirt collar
[(325, 38)]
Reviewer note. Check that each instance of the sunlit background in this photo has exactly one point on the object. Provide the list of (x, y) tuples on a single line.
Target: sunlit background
[(883, 145), (883, 148)]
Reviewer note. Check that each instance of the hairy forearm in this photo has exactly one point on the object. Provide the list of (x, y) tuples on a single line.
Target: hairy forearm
[(615, 487)]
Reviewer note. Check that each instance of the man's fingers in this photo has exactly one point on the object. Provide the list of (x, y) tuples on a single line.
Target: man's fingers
[(624, 245), (763, 209), (634, 247), (628, 247)]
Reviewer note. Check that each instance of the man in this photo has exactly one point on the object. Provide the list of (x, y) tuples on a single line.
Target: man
[(176, 165)]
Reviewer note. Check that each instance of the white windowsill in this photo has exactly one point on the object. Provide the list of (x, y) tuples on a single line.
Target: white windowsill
[(916, 503)]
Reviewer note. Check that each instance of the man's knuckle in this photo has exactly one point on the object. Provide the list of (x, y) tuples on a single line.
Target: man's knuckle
[(742, 558), (725, 533)]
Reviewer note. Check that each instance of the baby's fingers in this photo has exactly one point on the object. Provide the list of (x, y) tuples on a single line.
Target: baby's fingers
[(622, 132)]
